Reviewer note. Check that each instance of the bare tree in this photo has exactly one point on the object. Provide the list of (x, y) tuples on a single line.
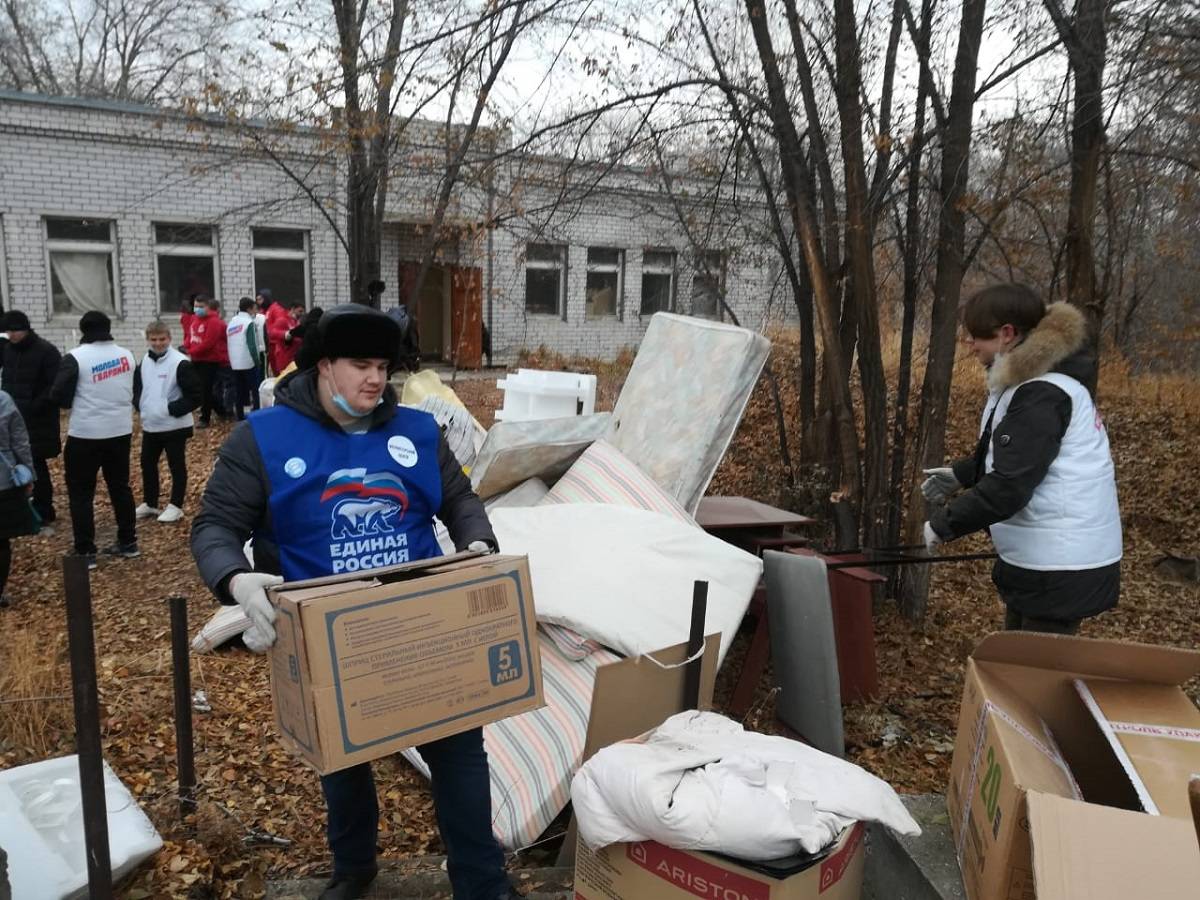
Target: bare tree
[(147, 51)]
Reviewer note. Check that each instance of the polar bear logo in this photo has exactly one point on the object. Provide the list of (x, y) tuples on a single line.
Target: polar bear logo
[(357, 518)]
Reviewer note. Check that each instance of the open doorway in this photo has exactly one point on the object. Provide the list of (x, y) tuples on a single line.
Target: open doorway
[(448, 311)]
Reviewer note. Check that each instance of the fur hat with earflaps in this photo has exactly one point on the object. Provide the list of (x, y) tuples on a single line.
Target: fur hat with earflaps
[(350, 330)]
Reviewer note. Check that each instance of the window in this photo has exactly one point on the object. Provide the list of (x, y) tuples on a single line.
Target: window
[(81, 259), (281, 263), (545, 271), (185, 259), (658, 281), (605, 272), (707, 282)]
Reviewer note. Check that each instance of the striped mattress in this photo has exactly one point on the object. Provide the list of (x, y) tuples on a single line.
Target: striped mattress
[(533, 756)]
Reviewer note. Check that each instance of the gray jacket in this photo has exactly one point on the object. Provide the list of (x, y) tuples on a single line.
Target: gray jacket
[(14, 441), (235, 502)]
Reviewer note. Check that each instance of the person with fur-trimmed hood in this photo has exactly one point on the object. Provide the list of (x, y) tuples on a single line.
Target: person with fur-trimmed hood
[(1041, 479)]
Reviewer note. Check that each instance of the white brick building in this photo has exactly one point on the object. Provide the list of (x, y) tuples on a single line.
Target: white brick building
[(128, 208)]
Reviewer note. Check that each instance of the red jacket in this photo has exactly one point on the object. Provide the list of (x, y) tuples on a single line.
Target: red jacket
[(185, 322), (280, 351), (208, 340)]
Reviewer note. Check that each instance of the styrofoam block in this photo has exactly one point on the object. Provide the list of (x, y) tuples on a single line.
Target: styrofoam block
[(41, 828), (532, 394)]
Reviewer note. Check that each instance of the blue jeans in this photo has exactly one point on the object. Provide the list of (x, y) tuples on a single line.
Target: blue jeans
[(461, 801)]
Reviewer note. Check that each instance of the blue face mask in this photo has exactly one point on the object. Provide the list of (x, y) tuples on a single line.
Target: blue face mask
[(344, 405), (202, 311)]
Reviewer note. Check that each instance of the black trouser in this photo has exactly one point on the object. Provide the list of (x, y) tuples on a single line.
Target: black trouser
[(153, 445), (82, 459), (5, 562), (210, 382), (462, 804), (43, 490), (1016, 621), (244, 382)]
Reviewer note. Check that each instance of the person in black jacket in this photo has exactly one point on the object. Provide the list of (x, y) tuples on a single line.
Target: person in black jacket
[(1041, 479), (29, 364), (337, 433)]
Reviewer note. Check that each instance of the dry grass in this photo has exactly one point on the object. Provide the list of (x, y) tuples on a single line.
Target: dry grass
[(35, 686)]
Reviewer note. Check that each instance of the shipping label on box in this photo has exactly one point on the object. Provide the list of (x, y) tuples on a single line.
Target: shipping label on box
[(647, 870), (362, 669)]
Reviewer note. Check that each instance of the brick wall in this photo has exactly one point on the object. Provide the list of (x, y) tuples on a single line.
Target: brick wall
[(137, 166)]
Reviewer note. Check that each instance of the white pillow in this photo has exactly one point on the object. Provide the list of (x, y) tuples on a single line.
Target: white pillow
[(623, 576)]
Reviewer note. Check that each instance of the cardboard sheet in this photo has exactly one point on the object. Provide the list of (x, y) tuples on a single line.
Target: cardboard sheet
[(1154, 731), (1082, 851)]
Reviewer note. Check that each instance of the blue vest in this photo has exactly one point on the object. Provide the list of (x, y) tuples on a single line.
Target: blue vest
[(349, 502)]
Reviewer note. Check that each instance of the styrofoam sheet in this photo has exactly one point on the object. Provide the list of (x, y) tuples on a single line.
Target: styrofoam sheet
[(41, 829)]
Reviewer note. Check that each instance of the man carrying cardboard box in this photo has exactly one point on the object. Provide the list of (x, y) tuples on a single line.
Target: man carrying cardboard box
[(337, 478), (1041, 477)]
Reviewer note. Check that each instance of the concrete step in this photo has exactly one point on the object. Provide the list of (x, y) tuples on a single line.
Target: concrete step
[(898, 868), (424, 879), (920, 868)]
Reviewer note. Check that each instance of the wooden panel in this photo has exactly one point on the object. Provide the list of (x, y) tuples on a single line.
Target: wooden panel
[(466, 318)]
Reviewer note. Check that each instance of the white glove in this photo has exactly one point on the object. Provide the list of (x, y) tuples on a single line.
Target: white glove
[(249, 589), (480, 547), (940, 484), (22, 475), (931, 538)]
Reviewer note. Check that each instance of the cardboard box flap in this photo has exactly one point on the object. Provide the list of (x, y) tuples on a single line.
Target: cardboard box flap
[(383, 575), (1034, 755), (1082, 851), (1154, 732), (1086, 656)]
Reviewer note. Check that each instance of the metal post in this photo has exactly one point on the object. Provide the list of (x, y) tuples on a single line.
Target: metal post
[(184, 745), (82, 646), (691, 680)]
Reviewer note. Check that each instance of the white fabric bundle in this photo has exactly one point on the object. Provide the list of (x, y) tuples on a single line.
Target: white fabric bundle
[(702, 782)]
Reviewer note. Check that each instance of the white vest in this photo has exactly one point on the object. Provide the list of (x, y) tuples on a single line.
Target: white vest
[(1072, 521), (160, 387), (235, 339), (103, 404)]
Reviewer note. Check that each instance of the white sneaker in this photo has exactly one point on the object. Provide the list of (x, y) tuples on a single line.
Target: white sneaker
[(145, 511), (171, 514)]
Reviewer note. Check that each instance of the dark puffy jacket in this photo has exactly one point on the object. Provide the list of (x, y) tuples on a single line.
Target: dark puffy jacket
[(235, 501), (28, 374), (1030, 436)]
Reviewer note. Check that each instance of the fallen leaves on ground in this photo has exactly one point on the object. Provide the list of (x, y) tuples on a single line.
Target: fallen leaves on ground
[(259, 811)]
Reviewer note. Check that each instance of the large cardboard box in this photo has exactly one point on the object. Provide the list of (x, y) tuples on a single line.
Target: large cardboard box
[(373, 663), (1061, 741), (649, 871)]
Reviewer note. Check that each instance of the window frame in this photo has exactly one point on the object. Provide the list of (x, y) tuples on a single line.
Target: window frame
[(304, 255), (50, 245), (559, 265), (5, 296), (211, 251), (672, 273), (619, 268)]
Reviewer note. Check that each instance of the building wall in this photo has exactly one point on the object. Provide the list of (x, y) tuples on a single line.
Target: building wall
[(630, 220), (138, 166), (59, 158)]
